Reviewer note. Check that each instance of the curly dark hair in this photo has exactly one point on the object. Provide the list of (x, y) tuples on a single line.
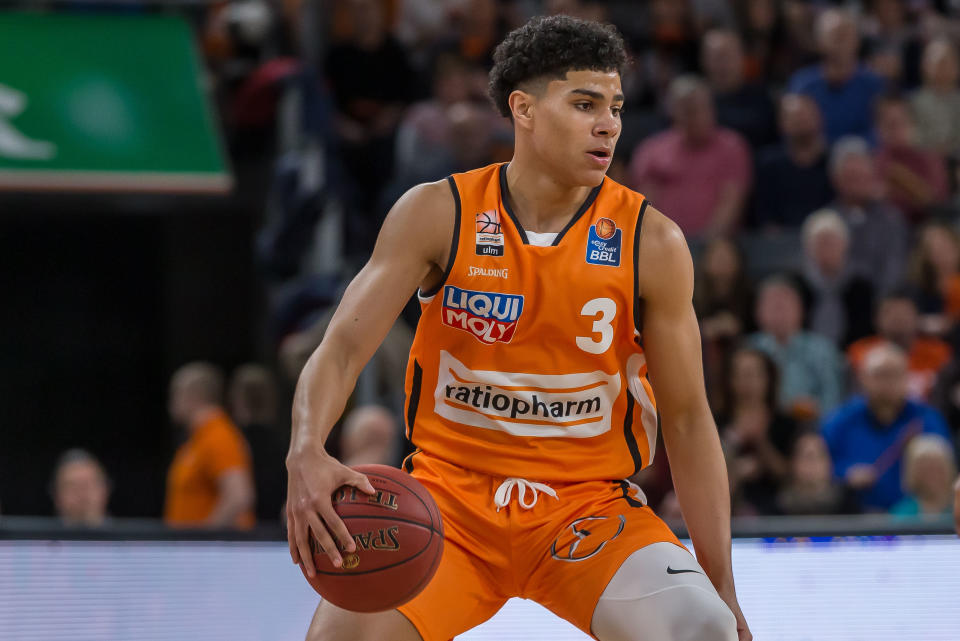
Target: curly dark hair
[(549, 47)]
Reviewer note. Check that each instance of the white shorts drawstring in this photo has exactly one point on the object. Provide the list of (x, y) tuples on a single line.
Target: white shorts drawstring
[(505, 492)]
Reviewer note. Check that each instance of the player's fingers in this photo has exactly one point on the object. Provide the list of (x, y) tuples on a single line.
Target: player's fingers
[(292, 538), (324, 539), (361, 482), (303, 546), (337, 528)]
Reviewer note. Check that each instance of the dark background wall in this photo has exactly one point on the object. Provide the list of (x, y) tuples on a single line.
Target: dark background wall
[(101, 299)]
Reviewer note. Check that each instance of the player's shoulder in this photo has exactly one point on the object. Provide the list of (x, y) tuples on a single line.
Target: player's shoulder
[(430, 199), (663, 259), (661, 237), (420, 223)]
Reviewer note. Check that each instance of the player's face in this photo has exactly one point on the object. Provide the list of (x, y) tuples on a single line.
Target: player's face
[(577, 123)]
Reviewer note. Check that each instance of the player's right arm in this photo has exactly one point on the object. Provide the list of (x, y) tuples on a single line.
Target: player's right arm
[(411, 251)]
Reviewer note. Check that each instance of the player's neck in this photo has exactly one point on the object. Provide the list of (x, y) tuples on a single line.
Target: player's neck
[(541, 203)]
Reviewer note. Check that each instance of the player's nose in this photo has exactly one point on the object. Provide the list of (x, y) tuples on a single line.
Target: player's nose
[(607, 126)]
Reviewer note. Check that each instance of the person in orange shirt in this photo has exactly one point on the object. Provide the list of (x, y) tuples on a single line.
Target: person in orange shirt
[(897, 322), (548, 291), (210, 482)]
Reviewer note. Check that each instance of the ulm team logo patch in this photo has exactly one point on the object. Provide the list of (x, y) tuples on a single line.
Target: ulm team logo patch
[(489, 233), (603, 244), (491, 317)]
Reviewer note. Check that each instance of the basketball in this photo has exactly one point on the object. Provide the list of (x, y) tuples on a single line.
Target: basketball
[(606, 228), (399, 538), (488, 222)]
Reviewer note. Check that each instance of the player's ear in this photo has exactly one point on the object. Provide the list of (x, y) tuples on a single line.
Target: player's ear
[(522, 106)]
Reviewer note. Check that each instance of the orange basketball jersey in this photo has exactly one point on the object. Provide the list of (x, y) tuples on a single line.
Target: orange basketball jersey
[(527, 360)]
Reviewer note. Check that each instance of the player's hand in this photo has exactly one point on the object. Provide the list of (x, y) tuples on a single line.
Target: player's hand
[(743, 631), (313, 477)]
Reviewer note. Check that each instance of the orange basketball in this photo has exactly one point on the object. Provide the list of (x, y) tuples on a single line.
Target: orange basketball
[(399, 538), (606, 228)]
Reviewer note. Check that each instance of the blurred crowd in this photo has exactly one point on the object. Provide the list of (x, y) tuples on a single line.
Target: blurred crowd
[(228, 471), (810, 150)]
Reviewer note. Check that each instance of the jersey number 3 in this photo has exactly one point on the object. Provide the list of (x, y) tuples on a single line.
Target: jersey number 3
[(606, 309)]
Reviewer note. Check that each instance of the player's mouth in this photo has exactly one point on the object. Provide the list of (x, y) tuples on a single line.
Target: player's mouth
[(601, 156)]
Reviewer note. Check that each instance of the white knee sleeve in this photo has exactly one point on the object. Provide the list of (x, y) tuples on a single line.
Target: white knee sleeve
[(661, 593)]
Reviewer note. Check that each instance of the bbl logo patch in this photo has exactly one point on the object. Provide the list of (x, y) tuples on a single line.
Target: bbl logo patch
[(585, 537), (490, 317), (489, 233), (603, 244)]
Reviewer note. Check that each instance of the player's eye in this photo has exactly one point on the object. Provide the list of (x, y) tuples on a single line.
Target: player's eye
[(583, 106), (617, 111)]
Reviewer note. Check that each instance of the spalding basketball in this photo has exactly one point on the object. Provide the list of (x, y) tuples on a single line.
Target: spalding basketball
[(399, 538), (606, 228)]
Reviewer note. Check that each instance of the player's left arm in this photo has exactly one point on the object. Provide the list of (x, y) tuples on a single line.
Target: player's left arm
[(671, 341)]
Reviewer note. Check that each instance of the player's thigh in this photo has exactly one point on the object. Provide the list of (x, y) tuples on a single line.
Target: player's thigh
[(660, 593), (331, 623)]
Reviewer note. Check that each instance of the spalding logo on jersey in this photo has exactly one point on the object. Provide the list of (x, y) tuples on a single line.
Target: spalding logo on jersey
[(603, 244), (491, 317), (489, 233)]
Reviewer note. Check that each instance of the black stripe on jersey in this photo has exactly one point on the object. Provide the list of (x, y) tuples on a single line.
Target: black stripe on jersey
[(505, 197), (630, 437), (407, 465), (637, 303), (625, 488), (454, 244), (592, 196), (414, 401)]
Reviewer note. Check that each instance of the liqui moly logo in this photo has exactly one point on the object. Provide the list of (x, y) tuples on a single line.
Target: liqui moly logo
[(491, 317)]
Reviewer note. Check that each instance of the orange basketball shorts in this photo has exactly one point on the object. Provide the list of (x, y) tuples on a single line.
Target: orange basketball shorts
[(561, 552)]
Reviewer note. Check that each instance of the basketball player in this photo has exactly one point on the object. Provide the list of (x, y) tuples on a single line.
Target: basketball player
[(548, 293)]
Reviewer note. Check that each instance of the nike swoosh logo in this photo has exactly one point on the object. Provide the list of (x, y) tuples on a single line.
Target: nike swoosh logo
[(670, 570)]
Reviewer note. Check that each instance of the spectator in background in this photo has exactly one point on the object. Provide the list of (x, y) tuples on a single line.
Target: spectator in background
[(371, 81), (945, 396), (426, 129), (421, 23), (697, 171), (839, 301), (928, 472), (792, 177), (878, 233), (886, 29), (723, 301), (811, 370), (743, 107), (898, 322), (477, 30), (843, 88), (472, 130), (80, 490), (253, 405), (210, 482), (956, 506), (370, 435), (868, 435), (915, 179), (935, 271), (936, 105), (811, 488), (772, 42), (756, 436)]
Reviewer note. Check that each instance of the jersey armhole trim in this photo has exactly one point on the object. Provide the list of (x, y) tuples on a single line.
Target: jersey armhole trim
[(454, 244), (413, 403), (637, 307)]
